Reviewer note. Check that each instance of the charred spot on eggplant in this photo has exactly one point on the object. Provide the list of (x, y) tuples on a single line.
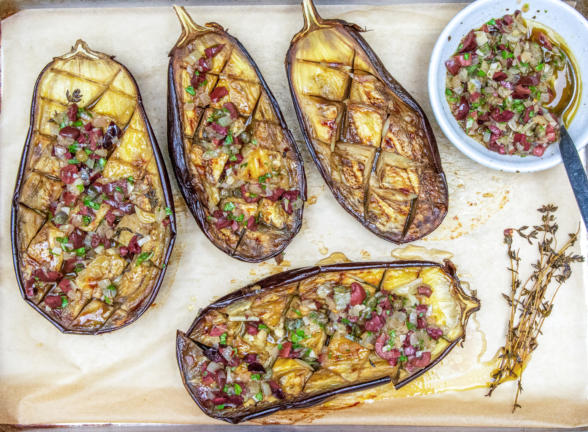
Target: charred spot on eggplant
[(294, 339), (369, 138), (89, 248), (235, 160)]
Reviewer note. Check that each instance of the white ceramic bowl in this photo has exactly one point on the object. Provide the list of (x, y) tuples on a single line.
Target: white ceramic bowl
[(557, 15)]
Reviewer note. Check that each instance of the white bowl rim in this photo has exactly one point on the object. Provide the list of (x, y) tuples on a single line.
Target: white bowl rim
[(467, 145)]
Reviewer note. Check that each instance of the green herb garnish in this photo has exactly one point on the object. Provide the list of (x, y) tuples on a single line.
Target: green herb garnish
[(89, 203), (143, 256)]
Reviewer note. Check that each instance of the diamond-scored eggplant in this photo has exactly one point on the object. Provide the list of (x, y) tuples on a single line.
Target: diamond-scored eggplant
[(92, 214), (369, 138), (297, 338), (235, 160)]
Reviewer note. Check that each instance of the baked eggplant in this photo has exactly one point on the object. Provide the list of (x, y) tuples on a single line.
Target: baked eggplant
[(235, 160), (369, 138), (92, 214), (296, 338)]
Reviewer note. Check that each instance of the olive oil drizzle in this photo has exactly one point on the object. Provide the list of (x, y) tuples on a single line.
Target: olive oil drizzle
[(566, 86)]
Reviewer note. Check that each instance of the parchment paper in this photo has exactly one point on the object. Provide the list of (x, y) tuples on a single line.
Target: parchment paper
[(131, 375)]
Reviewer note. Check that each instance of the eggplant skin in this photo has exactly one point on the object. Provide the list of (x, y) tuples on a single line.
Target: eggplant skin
[(92, 221), (259, 225), (298, 338), (369, 138)]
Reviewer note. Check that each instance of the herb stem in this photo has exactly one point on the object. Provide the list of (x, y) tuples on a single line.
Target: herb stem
[(530, 302)]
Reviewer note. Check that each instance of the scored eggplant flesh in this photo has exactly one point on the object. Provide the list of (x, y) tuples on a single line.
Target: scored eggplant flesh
[(369, 138), (299, 337), (236, 162), (92, 214)]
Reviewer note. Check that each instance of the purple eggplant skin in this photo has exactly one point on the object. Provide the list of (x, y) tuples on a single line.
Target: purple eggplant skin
[(297, 275), (167, 194), (423, 216), (178, 155)]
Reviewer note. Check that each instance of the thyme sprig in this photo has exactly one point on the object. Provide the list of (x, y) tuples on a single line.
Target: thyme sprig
[(531, 301)]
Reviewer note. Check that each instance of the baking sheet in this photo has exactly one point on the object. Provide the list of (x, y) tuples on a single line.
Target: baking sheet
[(131, 374)]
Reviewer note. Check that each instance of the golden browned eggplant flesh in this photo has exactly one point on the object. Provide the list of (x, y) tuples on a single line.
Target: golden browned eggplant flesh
[(296, 338), (235, 160), (368, 136), (92, 219)]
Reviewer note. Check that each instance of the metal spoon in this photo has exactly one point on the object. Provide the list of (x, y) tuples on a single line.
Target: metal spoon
[(576, 173)]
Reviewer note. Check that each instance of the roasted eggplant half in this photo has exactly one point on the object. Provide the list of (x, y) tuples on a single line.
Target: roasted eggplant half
[(294, 339), (369, 138), (92, 213), (235, 160)]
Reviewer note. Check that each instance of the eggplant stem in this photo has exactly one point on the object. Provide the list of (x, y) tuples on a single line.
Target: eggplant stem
[(81, 48), (189, 27), (312, 19)]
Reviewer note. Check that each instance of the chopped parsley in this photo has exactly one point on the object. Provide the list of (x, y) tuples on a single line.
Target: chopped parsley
[(223, 339), (229, 138), (89, 203), (191, 90), (255, 377), (263, 178), (144, 256)]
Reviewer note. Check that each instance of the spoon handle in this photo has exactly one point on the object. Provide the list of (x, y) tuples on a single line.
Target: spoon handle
[(576, 172)]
